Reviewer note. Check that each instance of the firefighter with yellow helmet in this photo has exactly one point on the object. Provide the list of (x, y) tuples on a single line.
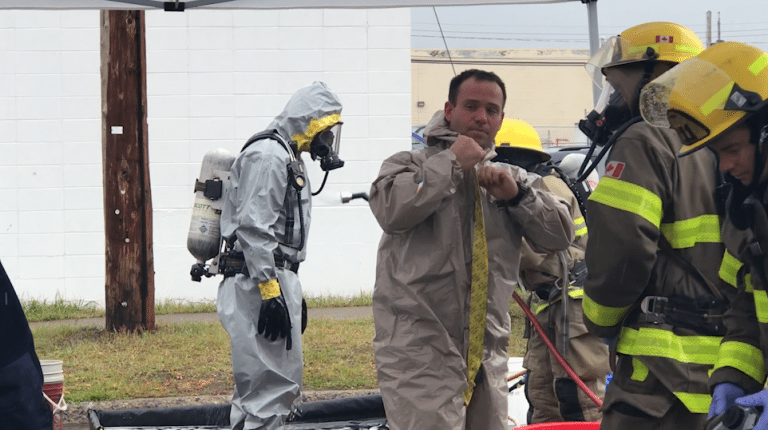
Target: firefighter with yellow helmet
[(718, 100), (552, 395), (654, 253)]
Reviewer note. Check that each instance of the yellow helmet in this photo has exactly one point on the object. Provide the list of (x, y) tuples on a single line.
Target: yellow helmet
[(516, 133), (660, 41), (705, 96)]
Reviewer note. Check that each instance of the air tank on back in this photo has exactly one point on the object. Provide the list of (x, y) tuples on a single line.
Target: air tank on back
[(204, 237)]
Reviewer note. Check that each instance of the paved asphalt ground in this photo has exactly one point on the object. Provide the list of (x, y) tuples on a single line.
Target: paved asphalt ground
[(75, 416)]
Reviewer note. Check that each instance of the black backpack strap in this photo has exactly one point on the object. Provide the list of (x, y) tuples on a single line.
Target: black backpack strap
[(273, 135), (581, 195), (295, 180)]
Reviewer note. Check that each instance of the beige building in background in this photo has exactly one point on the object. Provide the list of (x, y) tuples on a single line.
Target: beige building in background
[(548, 88)]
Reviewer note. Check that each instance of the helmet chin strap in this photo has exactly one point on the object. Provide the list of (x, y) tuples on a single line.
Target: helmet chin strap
[(760, 153), (649, 65), (648, 68)]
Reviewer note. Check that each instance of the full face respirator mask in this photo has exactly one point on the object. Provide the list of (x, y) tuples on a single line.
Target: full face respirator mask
[(609, 114), (325, 146)]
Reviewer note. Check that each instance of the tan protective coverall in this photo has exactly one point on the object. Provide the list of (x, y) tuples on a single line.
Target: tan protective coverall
[(662, 370), (425, 204), (552, 394)]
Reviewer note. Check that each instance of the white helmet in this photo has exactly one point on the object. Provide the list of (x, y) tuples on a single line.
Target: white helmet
[(570, 166)]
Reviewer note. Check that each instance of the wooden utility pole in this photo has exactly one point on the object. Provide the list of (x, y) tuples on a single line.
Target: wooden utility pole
[(129, 280)]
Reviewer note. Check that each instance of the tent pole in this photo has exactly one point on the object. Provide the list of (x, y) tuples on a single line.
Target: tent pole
[(594, 38)]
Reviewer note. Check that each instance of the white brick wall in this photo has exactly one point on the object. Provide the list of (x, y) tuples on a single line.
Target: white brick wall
[(214, 78)]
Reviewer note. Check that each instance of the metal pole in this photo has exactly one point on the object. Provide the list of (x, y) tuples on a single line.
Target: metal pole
[(594, 39)]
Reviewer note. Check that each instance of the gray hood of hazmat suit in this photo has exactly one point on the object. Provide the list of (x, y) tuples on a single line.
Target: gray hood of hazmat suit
[(421, 301), (306, 107), (268, 377)]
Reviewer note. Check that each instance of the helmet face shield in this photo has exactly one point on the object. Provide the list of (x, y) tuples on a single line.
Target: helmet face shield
[(617, 51), (688, 129), (603, 56), (695, 98), (605, 97)]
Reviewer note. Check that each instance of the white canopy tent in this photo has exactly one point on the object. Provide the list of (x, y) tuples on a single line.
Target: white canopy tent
[(251, 4)]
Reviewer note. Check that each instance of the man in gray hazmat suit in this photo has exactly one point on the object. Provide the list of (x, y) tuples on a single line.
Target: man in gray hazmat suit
[(265, 221), (425, 202)]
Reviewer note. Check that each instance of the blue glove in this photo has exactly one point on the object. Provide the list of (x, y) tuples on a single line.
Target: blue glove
[(723, 397), (610, 341), (755, 400)]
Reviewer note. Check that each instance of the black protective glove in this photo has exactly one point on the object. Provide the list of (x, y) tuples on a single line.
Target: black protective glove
[(303, 315), (274, 320)]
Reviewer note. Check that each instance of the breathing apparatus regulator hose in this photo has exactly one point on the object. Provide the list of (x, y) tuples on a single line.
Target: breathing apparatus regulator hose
[(596, 400), (607, 147)]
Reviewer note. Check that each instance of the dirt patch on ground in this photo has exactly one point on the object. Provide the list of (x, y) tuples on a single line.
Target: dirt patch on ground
[(77, 413)]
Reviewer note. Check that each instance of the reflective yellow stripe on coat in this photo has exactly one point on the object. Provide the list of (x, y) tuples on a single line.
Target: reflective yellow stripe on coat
[(628, 197), (687, 233), (761, 305), (742, 356), (575, 293), (730, 268), (653, 342), (580, 226), (603, 316), (644, 203)]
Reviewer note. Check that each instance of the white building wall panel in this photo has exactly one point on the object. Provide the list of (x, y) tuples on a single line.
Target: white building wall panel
[(213, 79)]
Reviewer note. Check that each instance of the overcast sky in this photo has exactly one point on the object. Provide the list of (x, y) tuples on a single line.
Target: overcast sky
[(565, 25)]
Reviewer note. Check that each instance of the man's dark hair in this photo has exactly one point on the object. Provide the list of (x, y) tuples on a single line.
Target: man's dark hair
[(479, 75)]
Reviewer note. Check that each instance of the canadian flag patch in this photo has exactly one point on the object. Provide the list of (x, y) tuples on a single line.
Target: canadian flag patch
[(614, 169), (664, 39)]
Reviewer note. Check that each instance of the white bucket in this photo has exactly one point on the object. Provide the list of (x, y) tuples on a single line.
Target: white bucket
[(53, 390), (53, 371)]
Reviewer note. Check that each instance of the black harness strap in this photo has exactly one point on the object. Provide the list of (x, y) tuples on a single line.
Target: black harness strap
[(297, 185)]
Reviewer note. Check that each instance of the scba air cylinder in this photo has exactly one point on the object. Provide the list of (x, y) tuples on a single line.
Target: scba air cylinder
[(204, 238)]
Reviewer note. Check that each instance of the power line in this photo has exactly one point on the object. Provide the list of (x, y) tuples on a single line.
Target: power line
[(496, 32), (504, 38)]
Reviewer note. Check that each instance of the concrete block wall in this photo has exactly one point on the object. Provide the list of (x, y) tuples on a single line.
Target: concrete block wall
[(213, 79)]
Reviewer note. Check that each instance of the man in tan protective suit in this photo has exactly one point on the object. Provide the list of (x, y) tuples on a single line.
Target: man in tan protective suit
[(553, 396), (425, 203)]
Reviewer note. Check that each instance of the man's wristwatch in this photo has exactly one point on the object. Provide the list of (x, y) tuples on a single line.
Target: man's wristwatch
[(522, 191)]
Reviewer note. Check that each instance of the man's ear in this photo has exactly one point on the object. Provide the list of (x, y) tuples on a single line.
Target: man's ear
[(448, 109)]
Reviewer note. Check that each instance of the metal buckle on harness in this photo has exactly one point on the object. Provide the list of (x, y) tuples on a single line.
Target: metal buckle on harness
[(286, 264), (652, 307)]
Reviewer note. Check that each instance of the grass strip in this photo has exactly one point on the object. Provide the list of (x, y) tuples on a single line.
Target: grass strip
[(193, 359), (59, 309)]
